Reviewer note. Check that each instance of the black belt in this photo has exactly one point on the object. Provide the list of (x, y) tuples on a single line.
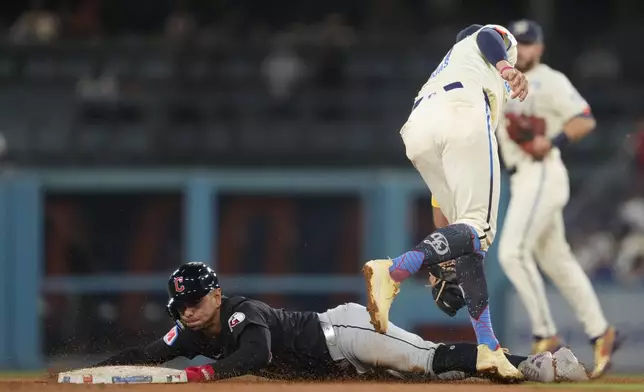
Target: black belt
[(449, 87)]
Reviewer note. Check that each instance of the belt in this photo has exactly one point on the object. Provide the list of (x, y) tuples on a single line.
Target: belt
[(449, 87), (330, 337)]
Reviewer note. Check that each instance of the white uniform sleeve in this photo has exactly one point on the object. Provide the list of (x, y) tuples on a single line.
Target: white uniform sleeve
[(566, 99)]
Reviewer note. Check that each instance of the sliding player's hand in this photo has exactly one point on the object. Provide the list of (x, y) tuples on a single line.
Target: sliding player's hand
[(203, 373)]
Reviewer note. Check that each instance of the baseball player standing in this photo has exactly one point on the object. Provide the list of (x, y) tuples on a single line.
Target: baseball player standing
[(553, 116), (449, 137), (246, 336)]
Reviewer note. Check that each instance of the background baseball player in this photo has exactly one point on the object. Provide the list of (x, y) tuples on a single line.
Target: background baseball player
[(551, 117), (449, 138), (246, 336)]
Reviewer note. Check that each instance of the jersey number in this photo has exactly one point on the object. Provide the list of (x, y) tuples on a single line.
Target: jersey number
[(442, 65), (522, 128)]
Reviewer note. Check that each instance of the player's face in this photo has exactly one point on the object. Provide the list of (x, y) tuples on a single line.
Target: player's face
[(202, 314), (528, 55)]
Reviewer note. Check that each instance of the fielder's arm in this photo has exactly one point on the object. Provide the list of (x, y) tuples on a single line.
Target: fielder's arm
[(571, 105), (578, 127), (492, 45), (498, 47)]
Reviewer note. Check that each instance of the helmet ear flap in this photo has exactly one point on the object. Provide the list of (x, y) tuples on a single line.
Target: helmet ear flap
[(172, 310)]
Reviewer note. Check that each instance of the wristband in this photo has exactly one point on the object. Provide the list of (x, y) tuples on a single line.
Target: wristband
[(504, 68), (561, 140)]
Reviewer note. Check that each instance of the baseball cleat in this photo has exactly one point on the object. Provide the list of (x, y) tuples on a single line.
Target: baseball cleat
[(496, 363), (551, 344), (381, 291), (567, 366), (539, 368), (605, 347)]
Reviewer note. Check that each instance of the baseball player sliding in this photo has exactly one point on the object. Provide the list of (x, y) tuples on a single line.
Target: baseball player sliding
[(245, 336), (553, 116), (449, 137)]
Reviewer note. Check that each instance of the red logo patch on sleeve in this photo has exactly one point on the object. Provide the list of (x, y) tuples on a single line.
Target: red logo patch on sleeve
[(235, 320), (171, 336)]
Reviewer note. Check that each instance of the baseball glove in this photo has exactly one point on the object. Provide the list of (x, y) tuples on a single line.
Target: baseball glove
[(523, 129), (445, 290)]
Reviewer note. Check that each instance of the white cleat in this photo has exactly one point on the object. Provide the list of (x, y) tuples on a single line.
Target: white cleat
[(567, 366), (381, 291), (539, 368)]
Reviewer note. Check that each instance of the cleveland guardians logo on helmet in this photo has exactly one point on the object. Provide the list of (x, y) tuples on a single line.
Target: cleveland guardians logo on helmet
[(188, 285), (178, 284)]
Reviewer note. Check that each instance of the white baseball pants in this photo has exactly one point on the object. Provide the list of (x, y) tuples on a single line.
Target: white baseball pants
[(450, 141), (355, 340), (534, 233)]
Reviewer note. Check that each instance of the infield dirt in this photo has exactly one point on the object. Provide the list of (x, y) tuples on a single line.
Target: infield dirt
[(253, 384)]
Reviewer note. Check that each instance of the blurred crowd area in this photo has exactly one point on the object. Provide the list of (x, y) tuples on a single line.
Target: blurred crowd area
[(608, 230), (289, 82), (302, 83)]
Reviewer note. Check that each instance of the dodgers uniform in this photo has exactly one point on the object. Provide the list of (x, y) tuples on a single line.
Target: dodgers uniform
[(539, 188), (533, 231), (450, 141), (449, 135)]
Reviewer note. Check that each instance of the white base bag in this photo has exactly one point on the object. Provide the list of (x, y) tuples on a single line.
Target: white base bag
[(123, 375)]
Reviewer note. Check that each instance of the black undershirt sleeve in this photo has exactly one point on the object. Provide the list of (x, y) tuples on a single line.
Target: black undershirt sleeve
[(492, 45), (253, 354)]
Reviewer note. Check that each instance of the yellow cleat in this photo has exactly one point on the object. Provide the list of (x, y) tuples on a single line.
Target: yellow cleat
[(495, 363), (605, 346), (381, 291), (551, 344)]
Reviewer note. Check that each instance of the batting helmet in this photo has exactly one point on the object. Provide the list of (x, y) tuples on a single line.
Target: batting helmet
[(188, 285)]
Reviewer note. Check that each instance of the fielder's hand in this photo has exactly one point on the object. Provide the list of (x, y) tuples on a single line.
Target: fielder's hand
[(200, 373), (515, 78), (541, 146)]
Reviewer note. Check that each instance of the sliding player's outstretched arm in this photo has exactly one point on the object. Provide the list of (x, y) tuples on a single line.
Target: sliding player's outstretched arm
[(160, 351), (249, 342), (253, 354)]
